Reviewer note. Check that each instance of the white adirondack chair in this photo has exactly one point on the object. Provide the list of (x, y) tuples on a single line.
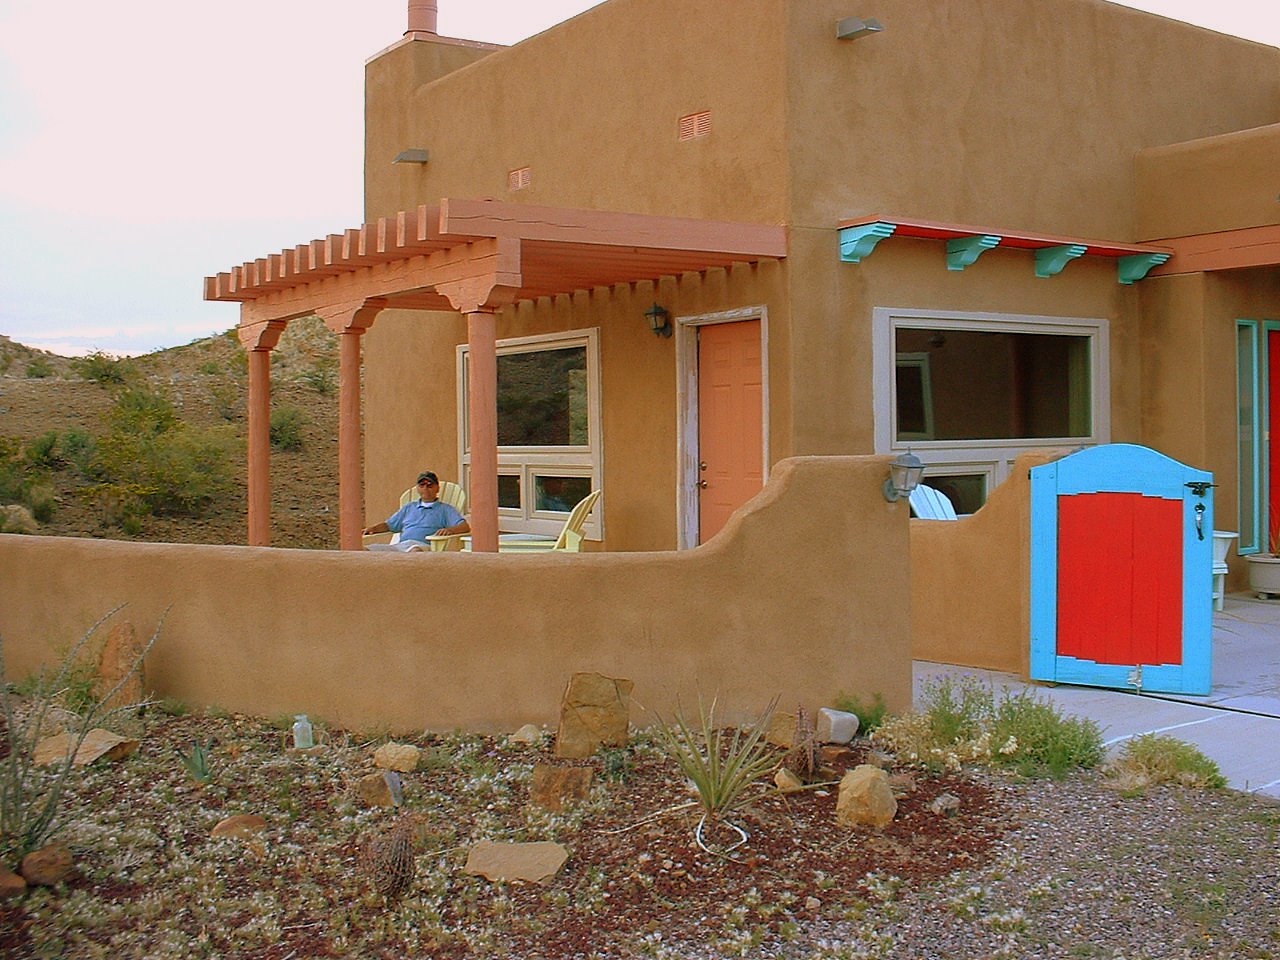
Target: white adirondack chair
[(450, 493), (569, 541), (930, 504)]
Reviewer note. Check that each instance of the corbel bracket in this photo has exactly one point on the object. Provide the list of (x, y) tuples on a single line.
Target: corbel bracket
[(1136, 266), (963, 251), (858, 242), (1051, 260)]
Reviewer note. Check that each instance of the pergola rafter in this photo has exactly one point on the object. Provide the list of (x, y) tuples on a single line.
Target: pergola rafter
[(470, 256)]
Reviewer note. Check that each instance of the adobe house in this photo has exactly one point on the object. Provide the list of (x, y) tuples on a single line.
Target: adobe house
[(965, 227)]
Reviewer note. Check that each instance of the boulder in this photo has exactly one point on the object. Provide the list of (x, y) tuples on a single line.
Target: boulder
[(865, 797), (119, 654), (15, 518), (594, 712), (553, 788), (835, 726), (47, 866), (782, 730), (98, 743), (375, 791), (242, 827), (397, 756), (521, 862), (11, 884)]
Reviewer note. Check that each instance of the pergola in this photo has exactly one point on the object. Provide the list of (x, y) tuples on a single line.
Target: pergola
[(470, 256)]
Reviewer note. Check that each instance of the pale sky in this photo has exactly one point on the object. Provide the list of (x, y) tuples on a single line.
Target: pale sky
[(147, 144)]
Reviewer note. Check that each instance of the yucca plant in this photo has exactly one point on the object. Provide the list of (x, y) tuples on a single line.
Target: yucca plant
[(722, 766)]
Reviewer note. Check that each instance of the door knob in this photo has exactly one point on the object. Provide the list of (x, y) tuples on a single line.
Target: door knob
[(702, 484), (702, 465)]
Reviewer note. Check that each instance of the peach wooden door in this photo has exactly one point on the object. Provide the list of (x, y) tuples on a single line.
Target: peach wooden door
[(730, 421)]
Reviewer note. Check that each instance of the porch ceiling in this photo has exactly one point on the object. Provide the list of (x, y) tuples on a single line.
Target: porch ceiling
[(531, 251)]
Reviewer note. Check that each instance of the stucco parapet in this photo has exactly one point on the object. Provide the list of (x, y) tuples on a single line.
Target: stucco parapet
[(417, 36)]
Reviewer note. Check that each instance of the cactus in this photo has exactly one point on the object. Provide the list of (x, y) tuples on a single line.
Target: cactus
[(388, 859)]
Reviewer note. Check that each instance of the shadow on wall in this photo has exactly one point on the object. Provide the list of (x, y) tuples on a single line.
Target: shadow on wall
[(805, 594)]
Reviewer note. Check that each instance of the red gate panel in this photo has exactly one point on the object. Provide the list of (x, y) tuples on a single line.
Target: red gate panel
[(1120, 578)]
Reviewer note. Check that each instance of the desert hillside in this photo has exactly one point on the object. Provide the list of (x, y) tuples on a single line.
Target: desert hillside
[(65, 424)]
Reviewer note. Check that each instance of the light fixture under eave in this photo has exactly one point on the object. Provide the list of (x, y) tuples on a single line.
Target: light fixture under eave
[(659, 320), (851, 28), (905, 472), (412, 156)]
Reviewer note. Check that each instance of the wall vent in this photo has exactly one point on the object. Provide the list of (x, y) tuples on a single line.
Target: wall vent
[(695, 125), (519, 179)]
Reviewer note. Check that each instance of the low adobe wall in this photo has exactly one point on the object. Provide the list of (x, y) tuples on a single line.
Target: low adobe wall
[(804, 594), (972, 580)]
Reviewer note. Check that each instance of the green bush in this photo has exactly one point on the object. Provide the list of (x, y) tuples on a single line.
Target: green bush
[(77, 449), (965, 721), (1154, 759), (38, 368), (211, 368), (41, 452), (870, 716), (104, 369), (286, 428), (322, 377)]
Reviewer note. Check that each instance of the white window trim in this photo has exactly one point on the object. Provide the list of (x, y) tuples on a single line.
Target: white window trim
[(993, 457), (687, 410), (528, 462)]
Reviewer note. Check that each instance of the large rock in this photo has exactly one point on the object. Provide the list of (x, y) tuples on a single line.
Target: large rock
[(526, 736), (836, 726), (47, 866), (782, 730), (523, 862), (397, 756), (594, 712), (375, 791), (11, 884), (553, 788), (865, 798), (119, 654), (97, 743)]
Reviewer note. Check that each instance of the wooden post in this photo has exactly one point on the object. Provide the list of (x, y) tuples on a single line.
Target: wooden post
[(259, 340)]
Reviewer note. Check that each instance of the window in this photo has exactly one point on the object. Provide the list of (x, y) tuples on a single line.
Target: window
[(549, 449), (969, 392)]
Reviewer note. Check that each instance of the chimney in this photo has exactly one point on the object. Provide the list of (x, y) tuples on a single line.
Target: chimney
[(422, 17)]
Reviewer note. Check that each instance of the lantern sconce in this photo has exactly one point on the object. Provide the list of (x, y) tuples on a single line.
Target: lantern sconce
[(659, 321), (905, 472)]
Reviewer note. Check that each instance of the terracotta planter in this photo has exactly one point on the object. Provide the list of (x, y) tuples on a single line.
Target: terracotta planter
[(1264, 574)]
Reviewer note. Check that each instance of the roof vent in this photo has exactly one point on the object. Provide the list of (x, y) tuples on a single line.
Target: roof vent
[(519, 179), (422, 16), (695, 125)]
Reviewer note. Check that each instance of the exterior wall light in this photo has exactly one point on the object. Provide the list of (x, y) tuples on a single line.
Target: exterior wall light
[(851, 28), (412, 156), (904, 476), (659, 321)]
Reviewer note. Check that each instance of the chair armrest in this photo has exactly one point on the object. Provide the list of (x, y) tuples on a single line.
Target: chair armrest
[(440, 544)]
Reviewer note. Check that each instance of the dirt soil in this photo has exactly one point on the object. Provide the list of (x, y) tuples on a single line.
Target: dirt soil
[(207, 381)]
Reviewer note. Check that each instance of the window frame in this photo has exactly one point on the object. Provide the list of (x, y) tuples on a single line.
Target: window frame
[(992, 457), (528, 462)]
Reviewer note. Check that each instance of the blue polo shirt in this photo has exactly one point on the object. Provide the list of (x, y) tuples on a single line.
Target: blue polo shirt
[(418, 520)]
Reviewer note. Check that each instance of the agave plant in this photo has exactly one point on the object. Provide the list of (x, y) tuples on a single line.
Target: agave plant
[(721, 765)]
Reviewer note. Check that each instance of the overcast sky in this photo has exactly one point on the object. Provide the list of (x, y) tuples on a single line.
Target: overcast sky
[(146, 144)]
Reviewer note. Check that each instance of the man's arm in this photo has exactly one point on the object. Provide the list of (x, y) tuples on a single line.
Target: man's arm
[(376, 528)]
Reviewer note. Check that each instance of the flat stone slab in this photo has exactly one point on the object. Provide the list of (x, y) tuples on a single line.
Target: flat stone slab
[(98, 743), (534, 862)]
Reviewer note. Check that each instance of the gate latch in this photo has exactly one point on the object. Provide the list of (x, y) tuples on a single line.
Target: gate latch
[(1200, 487), (1200, 520)]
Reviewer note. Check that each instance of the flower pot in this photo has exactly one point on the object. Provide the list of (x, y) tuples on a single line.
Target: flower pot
[(1264, 574)]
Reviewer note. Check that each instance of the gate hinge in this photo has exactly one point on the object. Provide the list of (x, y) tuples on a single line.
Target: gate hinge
[(1199, 487)]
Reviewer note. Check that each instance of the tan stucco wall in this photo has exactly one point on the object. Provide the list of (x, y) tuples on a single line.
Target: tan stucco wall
[(1005, 113), (972, 580), (1228, 182), (805, 594), (1189, 369)]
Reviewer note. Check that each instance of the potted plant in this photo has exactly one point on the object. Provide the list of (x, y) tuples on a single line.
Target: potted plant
[(1264, 568)]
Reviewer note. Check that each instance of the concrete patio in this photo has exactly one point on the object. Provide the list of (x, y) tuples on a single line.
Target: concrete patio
[(1237, 724)]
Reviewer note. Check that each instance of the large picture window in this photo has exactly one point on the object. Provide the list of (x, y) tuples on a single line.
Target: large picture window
[(549, 449), (969, 392)]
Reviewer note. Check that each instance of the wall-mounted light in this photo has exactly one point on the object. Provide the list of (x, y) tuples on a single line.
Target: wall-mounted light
[(659, 321), (851, 28), (904, 476), (416, 155)]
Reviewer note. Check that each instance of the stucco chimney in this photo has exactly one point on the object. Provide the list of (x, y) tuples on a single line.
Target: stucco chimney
[(422, 16)]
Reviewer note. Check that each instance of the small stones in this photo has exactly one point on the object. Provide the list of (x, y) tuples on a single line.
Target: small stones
[(944, 804), (528, 862), (11, 884), (402, 757), (47, 866), (553, 788), (527, 736), (786, 781), (812, 904)]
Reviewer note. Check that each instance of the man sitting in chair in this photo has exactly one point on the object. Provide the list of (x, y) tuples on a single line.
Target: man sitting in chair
[(419, 519)]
